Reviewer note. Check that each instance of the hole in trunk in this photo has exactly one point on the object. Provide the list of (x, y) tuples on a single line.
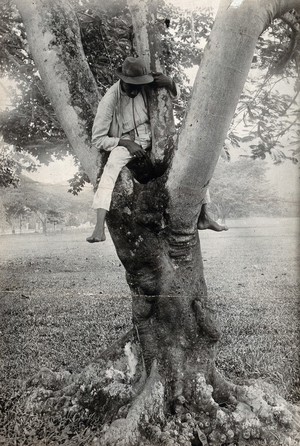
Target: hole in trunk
[(195, 441), (144, 171), (223, 404)]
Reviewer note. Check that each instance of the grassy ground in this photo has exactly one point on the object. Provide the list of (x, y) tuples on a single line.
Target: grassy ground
[(63, 301)]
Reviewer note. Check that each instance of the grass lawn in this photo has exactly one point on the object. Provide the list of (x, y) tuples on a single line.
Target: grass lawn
[(64, 300)]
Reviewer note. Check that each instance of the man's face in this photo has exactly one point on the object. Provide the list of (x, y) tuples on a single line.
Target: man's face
[(131, 90)]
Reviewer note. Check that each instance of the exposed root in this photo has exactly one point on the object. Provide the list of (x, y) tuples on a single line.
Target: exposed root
[(258, 417), (99, 394), (255, 416), (147, 407), (225, 392), (260, 408), (113, 395)]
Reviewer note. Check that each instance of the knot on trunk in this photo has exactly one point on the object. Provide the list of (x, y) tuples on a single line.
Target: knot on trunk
[(150, 206), (147, 279), (205, 321), (181, 244)]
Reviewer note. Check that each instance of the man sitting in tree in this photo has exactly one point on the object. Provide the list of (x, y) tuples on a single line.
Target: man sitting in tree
[(122, 127)]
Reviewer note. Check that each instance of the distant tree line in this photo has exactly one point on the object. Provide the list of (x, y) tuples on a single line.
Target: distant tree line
[(234, 194), (43, 206), (241, 189)]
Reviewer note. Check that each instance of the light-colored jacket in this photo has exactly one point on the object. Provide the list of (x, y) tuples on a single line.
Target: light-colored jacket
[(114, 117)]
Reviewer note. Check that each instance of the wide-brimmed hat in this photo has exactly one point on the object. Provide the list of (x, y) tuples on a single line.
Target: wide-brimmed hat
[(134, 71)]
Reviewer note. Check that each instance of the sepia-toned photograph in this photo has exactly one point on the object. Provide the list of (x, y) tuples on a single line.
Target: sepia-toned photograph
[(149, 222)]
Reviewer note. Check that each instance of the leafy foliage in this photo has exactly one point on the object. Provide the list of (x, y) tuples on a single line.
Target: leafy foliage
[(31, 123), (78, 181), (8, 175), (12, 163), (107, 38), (47, 203), (268, 112), (26, 200), (54, 216), (16, 209)]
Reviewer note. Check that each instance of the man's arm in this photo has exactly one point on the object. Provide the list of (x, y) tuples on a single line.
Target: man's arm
[(102, 123), (163, 81), (133, 148)]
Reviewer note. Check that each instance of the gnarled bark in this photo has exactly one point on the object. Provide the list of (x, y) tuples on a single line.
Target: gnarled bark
[(153, 227), (147, 44), (161, 252)]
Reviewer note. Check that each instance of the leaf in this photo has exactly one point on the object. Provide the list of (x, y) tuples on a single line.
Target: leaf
[(248, 138)]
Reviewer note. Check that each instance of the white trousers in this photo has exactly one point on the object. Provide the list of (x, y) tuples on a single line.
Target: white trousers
[(118, 158)]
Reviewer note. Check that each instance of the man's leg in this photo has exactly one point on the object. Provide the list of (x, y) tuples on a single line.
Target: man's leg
[(98, 234), (118, 158), (205, 221)]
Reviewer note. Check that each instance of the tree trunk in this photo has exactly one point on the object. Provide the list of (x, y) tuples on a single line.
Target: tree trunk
[(44, 226), (147, 44), (154, 229)]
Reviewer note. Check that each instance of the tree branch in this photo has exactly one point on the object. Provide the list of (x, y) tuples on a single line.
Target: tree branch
[(287, 56), (147, 41), (86, 15), (291, 103), (247, 105), (280, 7), (68, 80), (216, 92), (282, 132)]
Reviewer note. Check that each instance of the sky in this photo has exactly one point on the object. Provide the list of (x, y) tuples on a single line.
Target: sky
[(193, 4), (57, 172)]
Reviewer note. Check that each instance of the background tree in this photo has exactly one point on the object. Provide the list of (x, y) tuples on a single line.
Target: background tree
[(29, 199), (42, 200), (3, 221), (12, 163), (15, 212), (241, 189), (54, 217), (166, 373), (8, 175)]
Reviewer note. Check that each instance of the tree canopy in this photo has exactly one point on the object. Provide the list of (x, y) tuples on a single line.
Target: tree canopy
[(262, 120)]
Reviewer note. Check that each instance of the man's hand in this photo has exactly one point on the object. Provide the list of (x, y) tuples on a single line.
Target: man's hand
[(133, 148), (163, 81)]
